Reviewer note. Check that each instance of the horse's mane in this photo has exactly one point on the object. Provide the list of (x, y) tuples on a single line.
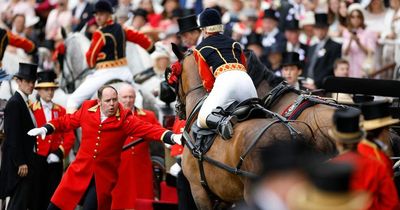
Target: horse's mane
[(259, 72)]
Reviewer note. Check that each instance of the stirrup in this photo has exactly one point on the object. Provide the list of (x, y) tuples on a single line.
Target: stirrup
[(225, 127)]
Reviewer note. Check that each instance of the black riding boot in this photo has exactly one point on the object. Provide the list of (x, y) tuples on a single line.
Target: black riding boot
[(224, 125)]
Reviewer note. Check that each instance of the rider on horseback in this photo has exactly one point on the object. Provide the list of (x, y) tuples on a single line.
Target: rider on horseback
[(221, 64), (107, 54)]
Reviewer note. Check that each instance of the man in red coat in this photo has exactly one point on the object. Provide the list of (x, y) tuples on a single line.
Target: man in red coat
[(48, 160), (369, 174), (377, 119), (135, 180), (105, 126)]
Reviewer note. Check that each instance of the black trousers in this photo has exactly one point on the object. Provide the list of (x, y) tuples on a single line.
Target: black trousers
[(22, 196), (45, 181), (185, 197), (89, 200)]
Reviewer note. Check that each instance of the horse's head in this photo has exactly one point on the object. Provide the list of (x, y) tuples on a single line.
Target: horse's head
[(184, 77)]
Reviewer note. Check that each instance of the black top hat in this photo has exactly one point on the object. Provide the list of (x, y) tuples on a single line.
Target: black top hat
[(140, 12), (377, 115), (254, 38), (103, 6), (210, 17), (276, 48), (27, 71), (321, 20), (332, 177), (292, 25), (4, 76), (272, 14), (347, 126), (291, 59), (46, 79), (188, 23), (282, 156), (177, 12)]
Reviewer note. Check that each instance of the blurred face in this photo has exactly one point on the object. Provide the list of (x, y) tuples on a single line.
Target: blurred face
[(162, 63), (291, 74), (342, 70), (237, 5), (257, 49), (127, 97), (46, 94), (170, 5), (275, 58), (308, 30), (268, 25), (320, 33), (292, 36), (26, 86), (395, 4), (334, 6), (19, 23), (190, 38), (102, 17), (147, 5), (109, 102), (138, 22), (343, 9), (356, 18)]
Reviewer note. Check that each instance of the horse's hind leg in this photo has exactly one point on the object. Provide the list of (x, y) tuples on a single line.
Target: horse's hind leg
[(201, 198)]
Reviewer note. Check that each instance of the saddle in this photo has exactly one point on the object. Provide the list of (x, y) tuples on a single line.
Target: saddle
[(246, 110)]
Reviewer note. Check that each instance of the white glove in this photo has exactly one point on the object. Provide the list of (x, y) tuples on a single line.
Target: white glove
[(52, 158), (177, 138), (38, 131), (175, 169)]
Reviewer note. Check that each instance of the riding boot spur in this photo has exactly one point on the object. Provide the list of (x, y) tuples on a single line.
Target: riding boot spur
[(223, 124)]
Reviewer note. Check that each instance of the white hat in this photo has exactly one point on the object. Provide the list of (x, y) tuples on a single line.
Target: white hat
[(31, 21), (356, 6), (307, 19), (161, 51)]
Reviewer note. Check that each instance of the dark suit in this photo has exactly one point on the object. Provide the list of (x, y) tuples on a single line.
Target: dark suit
[(18, 149), (325, 60), (86, 15)]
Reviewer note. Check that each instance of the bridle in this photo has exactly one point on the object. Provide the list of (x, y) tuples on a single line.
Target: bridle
[(181, 99)]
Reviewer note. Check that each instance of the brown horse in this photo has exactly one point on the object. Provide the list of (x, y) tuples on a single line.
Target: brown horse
[(318, 116), (227, 186)]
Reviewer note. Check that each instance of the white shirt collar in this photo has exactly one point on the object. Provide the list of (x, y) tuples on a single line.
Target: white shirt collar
[(24, 96), (48, 105), (102, 116)]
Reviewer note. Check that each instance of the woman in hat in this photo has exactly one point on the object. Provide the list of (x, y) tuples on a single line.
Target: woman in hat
[(359, 43), (54, 148), (222, 67), (369, 175)]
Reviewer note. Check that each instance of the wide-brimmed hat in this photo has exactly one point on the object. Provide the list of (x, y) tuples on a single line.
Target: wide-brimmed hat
[(347, 126), (328, 190), (103, 6), (291, 59), (187, 23), (377, 115), (27, 71), (307, 19), (46, 79), (4, 76), (321, 20), (271, 14)]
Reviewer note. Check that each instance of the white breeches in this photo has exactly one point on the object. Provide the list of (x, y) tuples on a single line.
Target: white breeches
[(94, 81), (228, 86)]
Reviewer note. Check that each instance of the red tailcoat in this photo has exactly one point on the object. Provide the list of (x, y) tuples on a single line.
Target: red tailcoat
[(99, 153), (370, 175), (371, 150), (135, 179), (62, 140)]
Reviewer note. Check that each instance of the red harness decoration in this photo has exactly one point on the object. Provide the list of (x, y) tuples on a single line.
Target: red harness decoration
[(175, 72)]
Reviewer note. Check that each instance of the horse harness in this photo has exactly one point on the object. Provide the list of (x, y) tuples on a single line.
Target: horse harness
[(302, 102)]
